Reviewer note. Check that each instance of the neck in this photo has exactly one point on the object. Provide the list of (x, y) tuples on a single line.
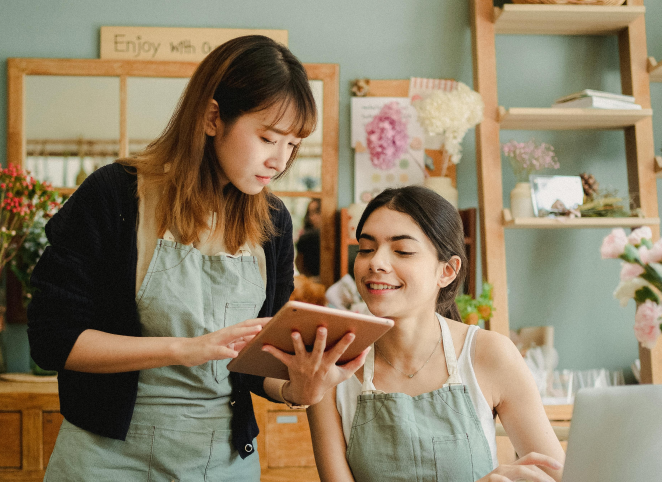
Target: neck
[(410, 337)]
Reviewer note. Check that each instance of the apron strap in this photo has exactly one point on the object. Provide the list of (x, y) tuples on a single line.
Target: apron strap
[(449, 353), (369, 373)]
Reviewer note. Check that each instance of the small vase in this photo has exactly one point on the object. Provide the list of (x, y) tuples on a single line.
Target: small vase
[(442, 186), (520, 201)]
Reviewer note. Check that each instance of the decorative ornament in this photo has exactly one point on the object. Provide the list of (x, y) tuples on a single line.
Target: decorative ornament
[(361, 87)]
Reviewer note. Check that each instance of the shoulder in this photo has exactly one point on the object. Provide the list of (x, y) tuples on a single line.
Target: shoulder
[(499, 367), (104, 192), (280, 216), (495, 351)]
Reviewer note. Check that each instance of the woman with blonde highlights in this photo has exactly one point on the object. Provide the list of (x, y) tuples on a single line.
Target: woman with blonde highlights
[(163, 266)]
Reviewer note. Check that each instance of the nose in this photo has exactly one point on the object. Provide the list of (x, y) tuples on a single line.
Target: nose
[(278, 161), (379, 262)]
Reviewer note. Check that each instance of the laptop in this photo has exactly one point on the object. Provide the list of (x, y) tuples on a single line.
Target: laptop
[(615, 435)]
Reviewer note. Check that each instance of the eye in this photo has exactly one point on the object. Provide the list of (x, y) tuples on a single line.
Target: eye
[(406, 253), (294, 145), (364, 251), (268, 141)]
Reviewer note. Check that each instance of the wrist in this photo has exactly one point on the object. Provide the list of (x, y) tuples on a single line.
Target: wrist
[(286, 395)]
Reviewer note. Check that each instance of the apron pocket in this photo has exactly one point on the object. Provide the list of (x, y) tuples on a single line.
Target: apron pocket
[(452, 458), (234, 313)]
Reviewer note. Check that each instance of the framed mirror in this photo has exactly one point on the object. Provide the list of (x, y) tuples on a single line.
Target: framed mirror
[(68, 117)]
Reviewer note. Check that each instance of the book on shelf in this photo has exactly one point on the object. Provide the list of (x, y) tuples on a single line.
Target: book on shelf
[(595, 93), (596, 103)]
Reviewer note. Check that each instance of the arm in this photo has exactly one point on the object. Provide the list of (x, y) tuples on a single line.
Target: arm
[(328, 440), (98, 352), (502, 373)]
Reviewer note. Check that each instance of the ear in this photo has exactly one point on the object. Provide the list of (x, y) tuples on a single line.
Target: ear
[(213, 123), (448, 271)]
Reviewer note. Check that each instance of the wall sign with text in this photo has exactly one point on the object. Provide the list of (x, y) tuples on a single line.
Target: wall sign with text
[(174, 44)]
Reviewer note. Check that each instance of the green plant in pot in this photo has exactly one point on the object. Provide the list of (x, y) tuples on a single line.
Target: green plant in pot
[(24, 201)]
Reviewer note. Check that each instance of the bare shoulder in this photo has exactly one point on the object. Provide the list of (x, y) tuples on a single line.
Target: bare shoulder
[(495, 350)]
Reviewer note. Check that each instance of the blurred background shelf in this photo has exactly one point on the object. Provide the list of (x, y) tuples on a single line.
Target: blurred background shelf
[(564, 19), (577, 223), (533, 118)]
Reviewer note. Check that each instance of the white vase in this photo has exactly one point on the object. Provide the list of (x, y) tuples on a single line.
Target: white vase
[(442, 186), (520, 201)]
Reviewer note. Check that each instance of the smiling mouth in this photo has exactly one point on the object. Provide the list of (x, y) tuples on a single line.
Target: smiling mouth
[(263, 179), (379, 286)]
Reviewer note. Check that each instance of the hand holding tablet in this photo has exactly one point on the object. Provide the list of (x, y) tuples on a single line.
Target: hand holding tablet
[(305, 319)]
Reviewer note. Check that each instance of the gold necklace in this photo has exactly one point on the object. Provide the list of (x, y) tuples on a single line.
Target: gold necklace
[(426, 361)]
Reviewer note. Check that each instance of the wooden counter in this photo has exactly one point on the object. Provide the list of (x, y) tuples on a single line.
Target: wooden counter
[(29, 423)]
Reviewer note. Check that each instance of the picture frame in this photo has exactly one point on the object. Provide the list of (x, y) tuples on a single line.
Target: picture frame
[(555, 195)]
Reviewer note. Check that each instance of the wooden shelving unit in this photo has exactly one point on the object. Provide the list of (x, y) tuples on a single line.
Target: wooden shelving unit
[(564, 19), (628, 24), (577, 223), (654, 70), (525, 118)]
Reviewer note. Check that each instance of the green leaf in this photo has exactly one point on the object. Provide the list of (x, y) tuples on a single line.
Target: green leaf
[(645, 293), (647, 242), (653, 274), (630, 254)]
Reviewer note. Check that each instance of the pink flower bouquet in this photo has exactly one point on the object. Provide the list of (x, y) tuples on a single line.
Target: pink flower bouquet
[(386, 136), (641, 278), (529, 157)]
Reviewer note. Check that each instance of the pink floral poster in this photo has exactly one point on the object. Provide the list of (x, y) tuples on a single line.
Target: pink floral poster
[(388, 145)]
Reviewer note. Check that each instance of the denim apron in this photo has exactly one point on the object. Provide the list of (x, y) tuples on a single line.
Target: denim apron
[(180, 429), (432, 437)]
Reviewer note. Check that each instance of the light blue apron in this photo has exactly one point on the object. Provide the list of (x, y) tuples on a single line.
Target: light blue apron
[(433, 437), (180, 428)]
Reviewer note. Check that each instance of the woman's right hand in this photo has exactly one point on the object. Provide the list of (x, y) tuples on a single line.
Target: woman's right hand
[(221, 344), (525, 468)]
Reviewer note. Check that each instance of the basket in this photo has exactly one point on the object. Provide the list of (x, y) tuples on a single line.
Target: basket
[(612, 3)]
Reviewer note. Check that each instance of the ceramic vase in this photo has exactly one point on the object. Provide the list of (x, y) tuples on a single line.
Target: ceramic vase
[(442, 186), (521, 205)]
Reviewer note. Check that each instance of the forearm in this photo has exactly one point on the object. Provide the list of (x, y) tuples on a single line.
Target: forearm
[(272, 387), (99, 352)]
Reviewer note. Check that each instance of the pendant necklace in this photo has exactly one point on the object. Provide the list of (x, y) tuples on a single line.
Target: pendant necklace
[(425, 363)]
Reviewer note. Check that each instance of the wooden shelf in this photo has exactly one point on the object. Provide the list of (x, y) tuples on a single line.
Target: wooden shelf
[(538, 119), (564, 19), (577, 223), (655, 70)]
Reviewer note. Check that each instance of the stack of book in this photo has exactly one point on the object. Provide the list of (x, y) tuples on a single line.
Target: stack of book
[(596, 99)]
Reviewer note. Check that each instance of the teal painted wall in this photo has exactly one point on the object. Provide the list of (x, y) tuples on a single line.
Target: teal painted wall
[(555, 277)]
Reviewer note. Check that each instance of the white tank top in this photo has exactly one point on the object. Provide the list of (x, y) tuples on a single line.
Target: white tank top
[(348, 391)]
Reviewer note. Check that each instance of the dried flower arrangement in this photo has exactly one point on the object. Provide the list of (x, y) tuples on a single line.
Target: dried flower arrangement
[(450, 114), (529, 157)]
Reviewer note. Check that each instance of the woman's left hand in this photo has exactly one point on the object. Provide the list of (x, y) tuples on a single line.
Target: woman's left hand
[(313, 373)]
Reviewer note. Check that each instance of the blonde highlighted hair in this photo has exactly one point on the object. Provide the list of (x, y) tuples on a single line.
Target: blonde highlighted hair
[(244, 75)]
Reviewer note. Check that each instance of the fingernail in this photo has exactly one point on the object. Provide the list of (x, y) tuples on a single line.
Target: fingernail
[(557, 465)]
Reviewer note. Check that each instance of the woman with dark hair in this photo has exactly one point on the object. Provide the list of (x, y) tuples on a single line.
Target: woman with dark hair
[(157, 268), (416, 410)]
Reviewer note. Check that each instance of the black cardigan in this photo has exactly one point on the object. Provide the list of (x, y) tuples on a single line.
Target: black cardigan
[(86, 279)]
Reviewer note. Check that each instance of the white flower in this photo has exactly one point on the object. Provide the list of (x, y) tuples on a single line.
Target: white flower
[(451, 115), (626, 289)]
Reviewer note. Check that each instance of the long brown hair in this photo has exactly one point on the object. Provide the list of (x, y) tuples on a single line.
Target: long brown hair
[(244, 75), (440, 222)]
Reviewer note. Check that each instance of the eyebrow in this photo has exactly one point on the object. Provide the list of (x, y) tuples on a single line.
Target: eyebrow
[(391, 239), (275, 129)]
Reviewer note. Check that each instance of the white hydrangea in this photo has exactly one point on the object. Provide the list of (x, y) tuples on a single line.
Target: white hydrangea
[(451, 114)]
